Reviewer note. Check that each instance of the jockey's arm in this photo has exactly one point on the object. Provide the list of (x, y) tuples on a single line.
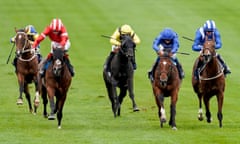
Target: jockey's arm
[(136, 39), (218, 40), (115, 38), (197, 45)]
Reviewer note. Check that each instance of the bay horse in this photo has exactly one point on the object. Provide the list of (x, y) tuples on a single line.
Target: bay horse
[(166, 83), (210, 82), (26, 69), (54, 85), (122, 76)]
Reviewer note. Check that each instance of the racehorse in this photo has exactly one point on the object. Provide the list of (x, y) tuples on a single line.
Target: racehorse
[(210, 82), (166, 83), (26, 69), (122, 76), (56, 82)]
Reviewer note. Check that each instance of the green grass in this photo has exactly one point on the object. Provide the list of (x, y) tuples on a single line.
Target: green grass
[(87, 116)]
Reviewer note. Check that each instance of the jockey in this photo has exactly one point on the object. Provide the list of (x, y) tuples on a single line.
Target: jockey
[(167, 39), (116, 43), (58, 35), (32, 35), (208, 29)]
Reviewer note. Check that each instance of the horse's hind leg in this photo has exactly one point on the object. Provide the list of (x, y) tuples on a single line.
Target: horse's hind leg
[(131, 95)]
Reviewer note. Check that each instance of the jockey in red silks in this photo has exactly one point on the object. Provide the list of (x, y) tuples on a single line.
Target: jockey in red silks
[(58, 35)]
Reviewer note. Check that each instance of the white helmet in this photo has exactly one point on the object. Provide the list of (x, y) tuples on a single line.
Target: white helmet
[(56, 24)]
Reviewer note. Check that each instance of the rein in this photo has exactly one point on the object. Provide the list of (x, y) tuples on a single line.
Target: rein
[(210, 78)]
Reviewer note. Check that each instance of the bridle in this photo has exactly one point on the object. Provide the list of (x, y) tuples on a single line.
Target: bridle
[(26, 48), (207, 57), (167, 71)]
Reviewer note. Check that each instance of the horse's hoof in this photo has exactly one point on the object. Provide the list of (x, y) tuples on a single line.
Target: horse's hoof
[(19, 102), (36, 103), (51, 117), (135, 109), (209, 120), (163, 120), (161, 124), (200, 117), (59, 127), (174, 128)]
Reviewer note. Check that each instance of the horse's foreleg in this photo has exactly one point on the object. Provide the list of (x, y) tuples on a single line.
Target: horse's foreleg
[(200, 111), (161, 110), (21, 89), (28, 97), (131, 95), (220, 98), (45, 101), (172, 121), (51, 94), (122, 94), (36, 99), (207, 107), (115, 102), (60, 104)]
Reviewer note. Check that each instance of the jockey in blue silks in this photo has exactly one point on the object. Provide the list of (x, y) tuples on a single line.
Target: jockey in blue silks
[(208, 29), (167, 39)]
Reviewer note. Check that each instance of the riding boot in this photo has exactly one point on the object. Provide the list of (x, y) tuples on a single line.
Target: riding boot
[(226, 68), (151, 72), (45, 65), (180, 69), (134, 63), (198, 69), (108, 63), (70, 67), (14, 63), (39, 57)]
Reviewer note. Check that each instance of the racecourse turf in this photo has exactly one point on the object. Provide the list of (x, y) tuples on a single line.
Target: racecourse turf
[(87, 115)]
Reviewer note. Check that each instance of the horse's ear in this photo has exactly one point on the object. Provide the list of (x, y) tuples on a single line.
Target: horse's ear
[(15, 29)]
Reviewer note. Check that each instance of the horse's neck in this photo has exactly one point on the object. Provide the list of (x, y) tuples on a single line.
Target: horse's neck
[(213, 65), (122, 59)]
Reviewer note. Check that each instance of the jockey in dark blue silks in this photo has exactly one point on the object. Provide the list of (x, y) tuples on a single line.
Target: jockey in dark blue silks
[(167, 39), (208, 29)]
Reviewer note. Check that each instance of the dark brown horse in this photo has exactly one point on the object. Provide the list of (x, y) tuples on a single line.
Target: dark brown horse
[(211, 81), (26, 69), (122, 76), (56, 83), (166, 83)]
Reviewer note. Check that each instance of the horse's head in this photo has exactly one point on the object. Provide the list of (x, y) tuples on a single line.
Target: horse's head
[(58, 62), (164, 70), (127, 46), (208, 51), (22, 43)]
